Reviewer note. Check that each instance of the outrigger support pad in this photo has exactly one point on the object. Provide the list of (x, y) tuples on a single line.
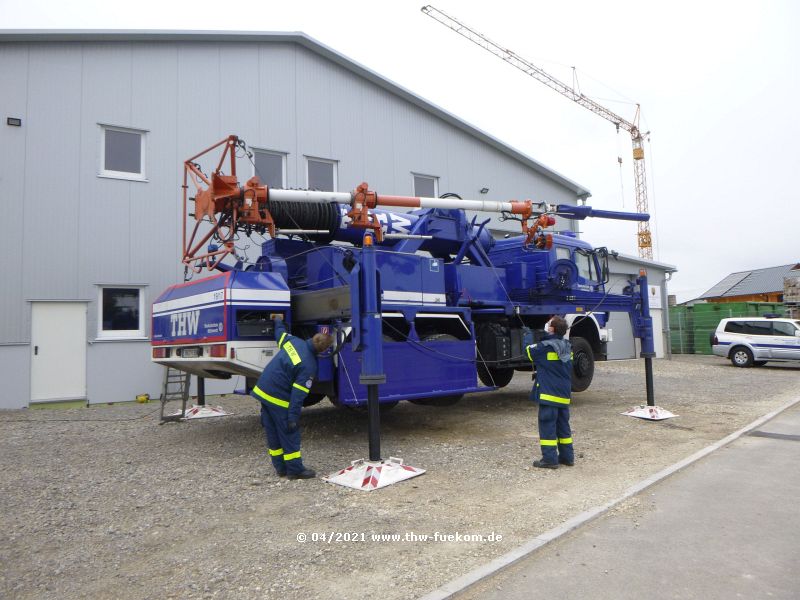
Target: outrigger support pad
[(370, 475)]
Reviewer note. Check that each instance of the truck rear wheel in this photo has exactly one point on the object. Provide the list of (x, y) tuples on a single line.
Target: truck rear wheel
[(312, 399), (582, 364), (362, 408), (495, 376)]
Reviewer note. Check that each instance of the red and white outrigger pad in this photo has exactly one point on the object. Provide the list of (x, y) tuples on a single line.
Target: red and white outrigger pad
[(202, 412), (651, 413), (370, 475)]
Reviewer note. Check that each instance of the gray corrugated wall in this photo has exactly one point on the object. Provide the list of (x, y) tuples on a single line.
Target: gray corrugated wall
[(68, 230), (13, 103)]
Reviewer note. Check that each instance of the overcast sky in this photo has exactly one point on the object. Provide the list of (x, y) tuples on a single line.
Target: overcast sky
[(718, 82)]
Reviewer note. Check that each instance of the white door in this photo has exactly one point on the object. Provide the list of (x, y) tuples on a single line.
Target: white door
[(58, 351), (658, 332)]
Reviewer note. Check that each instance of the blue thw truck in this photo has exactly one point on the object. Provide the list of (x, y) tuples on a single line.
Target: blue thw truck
[(456, 306)]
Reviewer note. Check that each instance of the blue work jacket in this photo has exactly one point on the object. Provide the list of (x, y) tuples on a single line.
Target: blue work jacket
[(287, 378), (552, 357)]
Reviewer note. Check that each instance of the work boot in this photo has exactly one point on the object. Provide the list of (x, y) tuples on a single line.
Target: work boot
[(544, 465), (304, 474), (280, 473), (569, 463)]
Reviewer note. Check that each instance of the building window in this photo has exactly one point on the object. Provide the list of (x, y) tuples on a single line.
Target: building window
[(122, 153), (321, 174), (270, 167), (121, 312), (426, 186)]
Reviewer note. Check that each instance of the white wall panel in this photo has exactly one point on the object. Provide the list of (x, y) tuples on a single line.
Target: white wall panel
[(313, 89), (155, 209), (239, 100), (379, 161), (13, 142), (52, 172), (349, 144), (105, 358), (198, 114), (277, 112), (15, 365)]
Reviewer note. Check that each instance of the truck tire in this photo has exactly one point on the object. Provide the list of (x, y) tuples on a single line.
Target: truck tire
[(312, 398), (494, 376), (362, 409), (582, 364), (741, 357), (441, 400)]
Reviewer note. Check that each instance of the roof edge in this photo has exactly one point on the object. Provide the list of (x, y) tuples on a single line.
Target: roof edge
[(644, 261)]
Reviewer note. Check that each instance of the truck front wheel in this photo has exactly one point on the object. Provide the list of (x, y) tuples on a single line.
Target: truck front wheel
[(582, 364)]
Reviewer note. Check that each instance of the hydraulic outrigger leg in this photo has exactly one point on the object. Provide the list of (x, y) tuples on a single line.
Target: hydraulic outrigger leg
[(650, 412), (373, 473)]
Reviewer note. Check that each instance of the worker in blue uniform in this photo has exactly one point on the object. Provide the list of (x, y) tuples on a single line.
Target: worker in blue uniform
[(552, 358), (284, 383)]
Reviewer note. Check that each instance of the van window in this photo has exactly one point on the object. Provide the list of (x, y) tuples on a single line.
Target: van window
[(783, 328), (734, 327), (758, 328)]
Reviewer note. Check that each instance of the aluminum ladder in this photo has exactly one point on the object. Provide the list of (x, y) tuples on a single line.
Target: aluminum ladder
[(176, 387)]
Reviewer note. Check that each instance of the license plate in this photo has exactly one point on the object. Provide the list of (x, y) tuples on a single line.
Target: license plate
[(190, 352)]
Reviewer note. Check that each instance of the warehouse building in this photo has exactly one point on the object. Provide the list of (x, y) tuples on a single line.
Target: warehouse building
[(96, 125)]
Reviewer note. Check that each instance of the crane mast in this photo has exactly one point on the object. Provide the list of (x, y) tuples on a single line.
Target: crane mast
[(645, 244)]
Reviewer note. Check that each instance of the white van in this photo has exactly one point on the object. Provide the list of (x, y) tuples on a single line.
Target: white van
[(749, 341)]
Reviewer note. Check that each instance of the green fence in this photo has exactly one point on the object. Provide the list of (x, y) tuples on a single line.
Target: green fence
[(691, 327)]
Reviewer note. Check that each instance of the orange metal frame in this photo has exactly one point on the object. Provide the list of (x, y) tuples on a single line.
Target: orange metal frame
[(237, 205), (247, 206)]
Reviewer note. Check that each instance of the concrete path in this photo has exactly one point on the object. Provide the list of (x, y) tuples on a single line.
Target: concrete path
[(726, 526)]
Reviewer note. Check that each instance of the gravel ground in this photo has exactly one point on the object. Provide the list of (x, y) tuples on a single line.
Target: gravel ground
[(107, 503)]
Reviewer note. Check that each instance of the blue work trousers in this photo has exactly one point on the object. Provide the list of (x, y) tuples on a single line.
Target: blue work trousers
[(283, 446), (555, 436)]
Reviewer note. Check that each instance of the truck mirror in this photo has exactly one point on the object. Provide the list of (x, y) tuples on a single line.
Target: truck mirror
[(602, 257)]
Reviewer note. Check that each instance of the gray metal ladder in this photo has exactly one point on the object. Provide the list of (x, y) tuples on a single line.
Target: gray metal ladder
[(176, 387)]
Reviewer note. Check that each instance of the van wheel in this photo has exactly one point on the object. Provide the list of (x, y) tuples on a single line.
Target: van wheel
[(741, 357), (582, 364)]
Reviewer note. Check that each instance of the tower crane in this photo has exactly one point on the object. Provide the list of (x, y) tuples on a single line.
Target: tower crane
[(645, 243)]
